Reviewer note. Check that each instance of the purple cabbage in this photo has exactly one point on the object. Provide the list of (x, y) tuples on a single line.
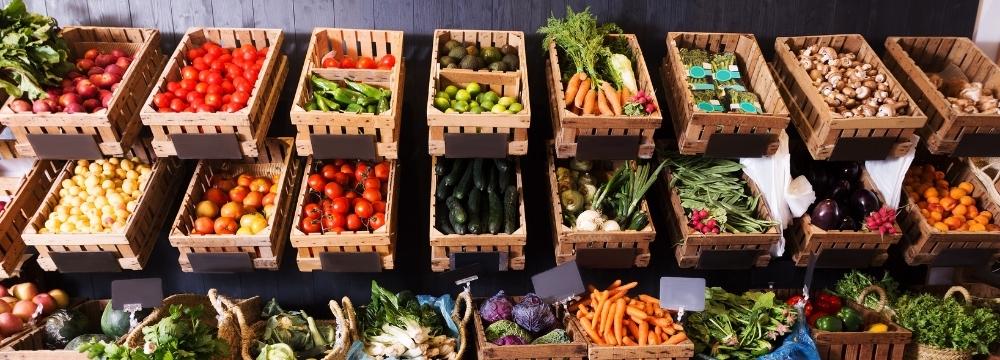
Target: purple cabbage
[(496, 308), (510, 340), (534, 315)]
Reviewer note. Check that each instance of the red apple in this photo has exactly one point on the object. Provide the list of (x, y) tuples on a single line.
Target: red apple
[(95, 70), (20, 106), (3, 291), (46, 301), (40, 106), (105, 80), (10, 324), (87, 89), (124, 62), (68, 98), (115, 70), (84, 64), (91, 104), (106, 97), (24, 291), (54, 93), (24, 309), (117, 53), (74, 108), (103, 60)]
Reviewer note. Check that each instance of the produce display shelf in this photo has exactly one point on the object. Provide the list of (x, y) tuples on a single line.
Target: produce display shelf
[(114, 130), (248, 126), (383, 129), (26, 190), (277, 160)]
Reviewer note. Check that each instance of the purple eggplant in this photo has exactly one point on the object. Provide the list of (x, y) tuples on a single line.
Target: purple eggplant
[(848, 224), (863, 202), (841, 190), (826, 215), (850, 171)]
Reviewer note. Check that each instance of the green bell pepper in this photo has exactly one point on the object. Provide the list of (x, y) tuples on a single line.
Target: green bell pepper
[(852, 319), (829, 323)]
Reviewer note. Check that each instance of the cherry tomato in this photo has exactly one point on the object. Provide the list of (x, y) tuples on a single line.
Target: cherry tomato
[(328, 171), (214, 89), (231, 107), (195, 53), (347, 169), (193, 96), (386, 61), (363, 208), (228, 87), (372, 184), (342, 205), (189, 72), (317, 183), (376, 221), (379, 206), (162, 100), (188, 84), (244, 85), (330, 63), (312, 211), (366, 62), (348, 63), (362, 172), (333, 190), (354, 222), (341, 178), (310, 226), (201, 87), (214, 77), (372, 195), (350, 195), (382, 170), (200, 63), (181, 93), (205, 108), (173, 86), (241, 97), (213, 100), (177, 105)]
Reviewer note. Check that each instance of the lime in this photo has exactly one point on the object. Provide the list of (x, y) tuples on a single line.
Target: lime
[(498, 108), (487, 104), (451, 90), (473, 103), (450, 111), (442, 94), (461, 106), (490, 96), (442, 103), (506, 101), (515, 107), (463, 95), (509, 111), (475, 109), (473, 88)]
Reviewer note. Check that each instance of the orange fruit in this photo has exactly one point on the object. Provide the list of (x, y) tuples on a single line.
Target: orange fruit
[(964, 227), (967, 200), (973, 211), (986, 213), (935, 207), (922, 205), (933, 199), (936, 216), (967, 186), (977, 227), (925, 213), (941, 226), (957, 193), (960, 210), (948, 203), (931, 193), (953, 223), (942, 184), (939, 175), (982, 220), (928, 168)]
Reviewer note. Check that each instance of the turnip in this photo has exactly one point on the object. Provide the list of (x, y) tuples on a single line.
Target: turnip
[(20, 106)]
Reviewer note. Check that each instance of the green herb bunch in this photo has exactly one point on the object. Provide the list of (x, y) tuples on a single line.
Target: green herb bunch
[(739, 326), (180, 336), (947, 323), (853, 282), (584, 43), (32, 54)]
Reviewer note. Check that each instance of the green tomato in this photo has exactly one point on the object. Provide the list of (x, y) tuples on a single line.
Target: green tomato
[(515, 107), (473, 88), (506, 101), (498, 109), (463, 95), (461, 106), (451, 90), (442, 103)]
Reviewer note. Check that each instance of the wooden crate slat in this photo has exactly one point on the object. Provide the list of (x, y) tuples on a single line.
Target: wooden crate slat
[(27, 192)]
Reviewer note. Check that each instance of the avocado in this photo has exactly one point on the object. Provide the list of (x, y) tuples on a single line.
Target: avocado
[(446, 60), (451, 44), (512, 61), (498, 66), (508, 50), (491, 54), (470, 62), (472, 50), (451, 66), (457, 52)]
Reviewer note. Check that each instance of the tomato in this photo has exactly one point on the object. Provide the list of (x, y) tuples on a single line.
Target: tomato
[(228, 87), (162, 100), (180, 92), (261, 185), (231, 107), (204, 225), (312, 211), (366, 62), (382, 170), (341, 205), (201, 87), (348, 63), (333, 190), (363, 208), (226, 226), (372, 184), (341, 178), (316, 182), (200, 63), (241, 97), (328, 171), (372, 195), (173, 86), (386, 61), (177, 105), (379, 206), (347, 169), (189, 72), (330, 63), (188, 84), (244, 85), (362, 171), (216, 195), (354, 222), (214, 89), (214, 78), (334, 220), (194, 97), (195, 53), (376, 221), (269, 199), (310, 226), (351, 195)]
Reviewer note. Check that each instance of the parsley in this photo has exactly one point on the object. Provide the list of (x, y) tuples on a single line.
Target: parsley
[(946, 323)]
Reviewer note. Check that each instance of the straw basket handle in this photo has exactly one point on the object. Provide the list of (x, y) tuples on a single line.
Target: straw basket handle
[(351, 318), (882, 297), (961, 290), (461, 315), (340, 344)]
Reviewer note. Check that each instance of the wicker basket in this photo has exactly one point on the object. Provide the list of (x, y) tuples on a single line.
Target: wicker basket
[(115, 129), (215, 313), (277, 158), (383, 128), (248, 125), (131, 247), (252, 327), (26, 191), (919, 351)]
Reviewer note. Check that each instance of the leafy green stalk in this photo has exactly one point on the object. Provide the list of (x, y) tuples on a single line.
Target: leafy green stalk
[(582, 40), (32, 53)]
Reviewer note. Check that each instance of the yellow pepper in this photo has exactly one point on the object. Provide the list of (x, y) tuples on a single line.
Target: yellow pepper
[(878, 328)]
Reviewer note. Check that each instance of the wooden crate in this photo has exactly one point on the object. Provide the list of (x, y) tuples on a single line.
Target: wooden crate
[(911, 59), (443, 246), (382, 241), (682, 351), (352, 42), (568, 240), (692, 243), (570, 126), (32, 344), (925, 243), (131, 247), (694, 129), (277, 158), (508, 83), (249, 125), (26, 191), (810, 114), (116, 128), (810, 240), (485, 350)]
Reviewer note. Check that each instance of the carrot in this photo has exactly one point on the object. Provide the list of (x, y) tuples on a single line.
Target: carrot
[(580, 314), (658, 331), (619, 315), (590, 331), (628, 341), (653, 339), (633, 329), (669, 331), (659, 312), (609, 319), (590, 288), (643, 335), (574, 86), (678, 327), (602, 104), (636, 313), (649, 299), (609, 338), (615, 284), (676, 339), (625, 95), (599, 315), (627, 287), (590, 102), (613, 100), (581, 94), (663, 322)]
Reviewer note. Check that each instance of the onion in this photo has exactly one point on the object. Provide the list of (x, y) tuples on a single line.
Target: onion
[(20, 106)]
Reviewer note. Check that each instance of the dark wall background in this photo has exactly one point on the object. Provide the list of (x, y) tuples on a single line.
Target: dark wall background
[(649, 19)]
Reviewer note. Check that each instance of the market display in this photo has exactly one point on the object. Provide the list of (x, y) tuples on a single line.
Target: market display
[(611, 317), (524, 321), (86, 89), (213, 79), (99, 196), (844, 202), (598, 199), (293, 334), (598, 65), (23, 303), (181, 335), (34, 55), (330, 61), (943, 205), (345, 195), (351, 97), (849, 86), (473, 57), (241, 205), (403, 327), (739, 326), (716, 82), (473, 100), (716, 199), (476, 196)]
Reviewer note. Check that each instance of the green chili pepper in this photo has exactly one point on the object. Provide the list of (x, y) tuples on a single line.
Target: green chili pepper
[(311, 105), (368, 90), (383, 105), (370, 108), (354, 108), (347, 97), (323, 84)]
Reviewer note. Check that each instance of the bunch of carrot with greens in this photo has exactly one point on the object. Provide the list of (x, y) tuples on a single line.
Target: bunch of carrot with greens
[(611, 317)]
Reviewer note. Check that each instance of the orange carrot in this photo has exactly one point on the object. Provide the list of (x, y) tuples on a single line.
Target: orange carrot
[(627, 287), (653, 339), (613, 100), (574, 86), (600, 314), (590, 331), (590, 102), (609, 338), (662, 321), (649, 299), (602, 105), (636, 313), (625, 95), (669, 331), (676, 339), (619, 316), (609, 319), (581, 94), (678, 327), (615, 284), (628, 341), (643, 335)]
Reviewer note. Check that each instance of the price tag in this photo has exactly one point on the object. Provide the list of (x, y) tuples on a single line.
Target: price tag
[(845, 258), (86, 261), (605, 258), (65, 146), (220, 262), (862, 148), (682, 294), (366, 262), (462, 275), (490, 146), (984, 145), (207, 146), (607, 147), (963, 257), (559, 283), (488, 262), (729, 146), (142, 293), (728, 259), (343, 146)]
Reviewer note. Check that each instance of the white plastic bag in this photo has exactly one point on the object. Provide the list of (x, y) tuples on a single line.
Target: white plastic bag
[(888, 174), (772, 174)]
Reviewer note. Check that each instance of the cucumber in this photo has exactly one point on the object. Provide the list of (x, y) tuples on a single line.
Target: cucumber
[(443, 190), (501, 164), (495, 224), (503, 175), (474, 200), (491, 179), (441, 219), (510, 209), (639, 221), (456, 213), (475, 227), (477, 174), (457, 166), (462, 189), (440, 169), (459, 229), (484, 212)]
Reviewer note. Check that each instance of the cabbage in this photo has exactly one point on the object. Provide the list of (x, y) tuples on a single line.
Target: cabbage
[(534, 315), (509, 340), (496, 308), (557, 336), (504, 328)]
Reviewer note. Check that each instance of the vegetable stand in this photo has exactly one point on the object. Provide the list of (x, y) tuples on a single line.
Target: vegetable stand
[(887, 132), (247, 126), (693, 125), (32, 344), (115, 129), (446, 123), (317, 125), (568, 239), (129, 247), (382, 241), (927, 66), (576, 349), (263, 250), (25, 190)]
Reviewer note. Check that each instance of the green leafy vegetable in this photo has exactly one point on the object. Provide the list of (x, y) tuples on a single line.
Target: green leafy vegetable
[(739, 327), (624, 192), (853, 282), (946, 323), (32, 53), (398, 326), (585, 44), (296, 329), (180, 336)]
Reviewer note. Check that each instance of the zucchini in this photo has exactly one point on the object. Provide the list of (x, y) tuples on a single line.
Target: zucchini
[(510, 209), (501, 164), (503, 175), (475, 227), (477, 174), (639, 221), (441, 219), (456, 213), (491, 179), (462, 189), (496, 213), (474, 197), (443, 190), (440, 169), (484, 212), (457, 166), (459, 229)]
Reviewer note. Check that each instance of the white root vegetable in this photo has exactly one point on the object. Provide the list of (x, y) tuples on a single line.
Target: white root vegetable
[(589, 220), (610, 225)]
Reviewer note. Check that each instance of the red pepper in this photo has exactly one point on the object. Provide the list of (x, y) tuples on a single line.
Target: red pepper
[(815, 316), (828, 303), (795, 299)]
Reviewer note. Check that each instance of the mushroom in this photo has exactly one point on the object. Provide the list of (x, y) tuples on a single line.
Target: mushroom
[(862, 92), (826, 54), (890, 109), (880, 77), (972, 91), (868, 110)]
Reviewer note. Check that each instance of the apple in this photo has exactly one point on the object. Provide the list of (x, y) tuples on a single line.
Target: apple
[(114, 69), (84, 64), (46, 301), (104, 60), (124, 62), (10, 324), (61, 298), (74, 108), (69, 98), (87, 89), (207, 209), (105, 80), (91, 104), (24, 309), (5, 307), (24, 291), (106, 97), (40, 106), (95, 70), (3, 291)]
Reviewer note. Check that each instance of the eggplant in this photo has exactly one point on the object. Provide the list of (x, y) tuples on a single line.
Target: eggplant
[(826, 215), (841, 190), (850, 171), (847, 223), (864, 202), (820, 179)]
